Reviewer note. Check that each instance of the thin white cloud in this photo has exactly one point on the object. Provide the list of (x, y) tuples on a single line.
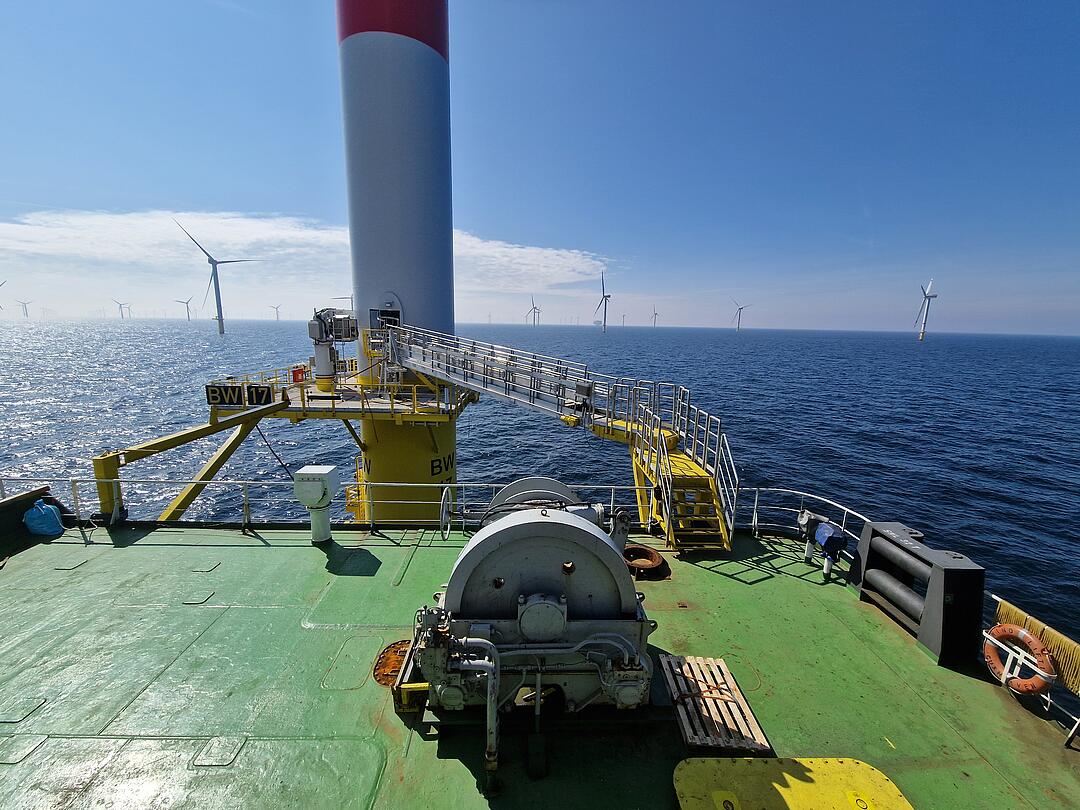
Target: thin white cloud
[(149, 243), (486, 264)]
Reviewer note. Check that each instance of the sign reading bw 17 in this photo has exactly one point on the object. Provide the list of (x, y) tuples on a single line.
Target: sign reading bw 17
[(237, 396)]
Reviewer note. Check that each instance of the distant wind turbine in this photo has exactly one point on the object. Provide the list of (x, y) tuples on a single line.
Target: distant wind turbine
[(277, 311), (120, 306), (187, 306), (25, 311), (737, 317), (534, 312), (924, 308), (604, 298), (2, 283), (624, 319), (214, 263), (655, 315)]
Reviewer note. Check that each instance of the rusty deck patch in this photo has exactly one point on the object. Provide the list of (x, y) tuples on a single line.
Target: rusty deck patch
[(388, 664)]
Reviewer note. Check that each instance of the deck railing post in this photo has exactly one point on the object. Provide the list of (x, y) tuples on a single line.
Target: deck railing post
[(116, 503), (75, 500), (757, 494), (247, 506)]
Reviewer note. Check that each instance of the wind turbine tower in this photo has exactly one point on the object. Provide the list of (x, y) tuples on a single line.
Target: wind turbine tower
[(214, 263), (24, 305), (187, 306), (534, 312), (604, 298), (924, 308), (655, 315), (277, 311), (737, 317)]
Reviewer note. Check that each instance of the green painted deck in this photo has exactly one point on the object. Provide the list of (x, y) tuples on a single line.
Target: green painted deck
[(205, 668)]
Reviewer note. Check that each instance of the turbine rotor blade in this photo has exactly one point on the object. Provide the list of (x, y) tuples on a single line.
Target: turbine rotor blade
[(602, 302), (207, 293), (192, 238), (238, 261)]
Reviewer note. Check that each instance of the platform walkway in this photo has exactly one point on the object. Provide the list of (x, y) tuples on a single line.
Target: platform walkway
[(676, 447)]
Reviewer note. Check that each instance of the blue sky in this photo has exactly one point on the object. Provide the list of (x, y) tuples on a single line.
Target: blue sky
[(818, 160)]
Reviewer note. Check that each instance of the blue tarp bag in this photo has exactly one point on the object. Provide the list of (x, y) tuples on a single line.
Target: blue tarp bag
[(44, 520)]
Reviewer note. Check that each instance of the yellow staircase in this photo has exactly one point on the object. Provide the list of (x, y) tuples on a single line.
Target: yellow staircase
[(675, 491), (697, 515)]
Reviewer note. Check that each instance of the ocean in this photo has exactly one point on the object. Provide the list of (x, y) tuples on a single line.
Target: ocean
[(972, 439)]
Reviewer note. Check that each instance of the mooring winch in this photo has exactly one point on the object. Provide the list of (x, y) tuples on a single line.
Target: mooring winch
[(540, 599)]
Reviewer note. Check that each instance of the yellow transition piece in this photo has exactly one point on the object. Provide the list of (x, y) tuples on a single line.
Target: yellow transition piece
[(754, 783), (406, 454)]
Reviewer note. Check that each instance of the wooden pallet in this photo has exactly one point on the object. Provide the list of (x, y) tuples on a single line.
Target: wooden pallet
[(711, 710)]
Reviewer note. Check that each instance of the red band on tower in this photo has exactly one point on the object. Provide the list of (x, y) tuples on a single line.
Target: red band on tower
[(422, 20)]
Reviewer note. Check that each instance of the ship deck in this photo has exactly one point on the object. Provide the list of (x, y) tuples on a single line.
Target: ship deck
[(205, 667)]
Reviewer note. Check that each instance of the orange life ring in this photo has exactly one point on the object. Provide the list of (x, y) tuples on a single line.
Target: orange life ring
[(1037, 684)]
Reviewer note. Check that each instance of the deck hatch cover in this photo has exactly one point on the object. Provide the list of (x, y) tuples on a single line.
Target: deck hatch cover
[(18, 747), (18, 709), (218, 752)]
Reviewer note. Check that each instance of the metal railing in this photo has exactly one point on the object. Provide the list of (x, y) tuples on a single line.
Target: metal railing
[(650, 452), (774, 507), (274, 376), (253, 502), (565, 388), (552, 385)]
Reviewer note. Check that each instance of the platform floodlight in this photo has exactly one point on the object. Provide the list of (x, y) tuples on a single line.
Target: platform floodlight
[(315, 487)]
